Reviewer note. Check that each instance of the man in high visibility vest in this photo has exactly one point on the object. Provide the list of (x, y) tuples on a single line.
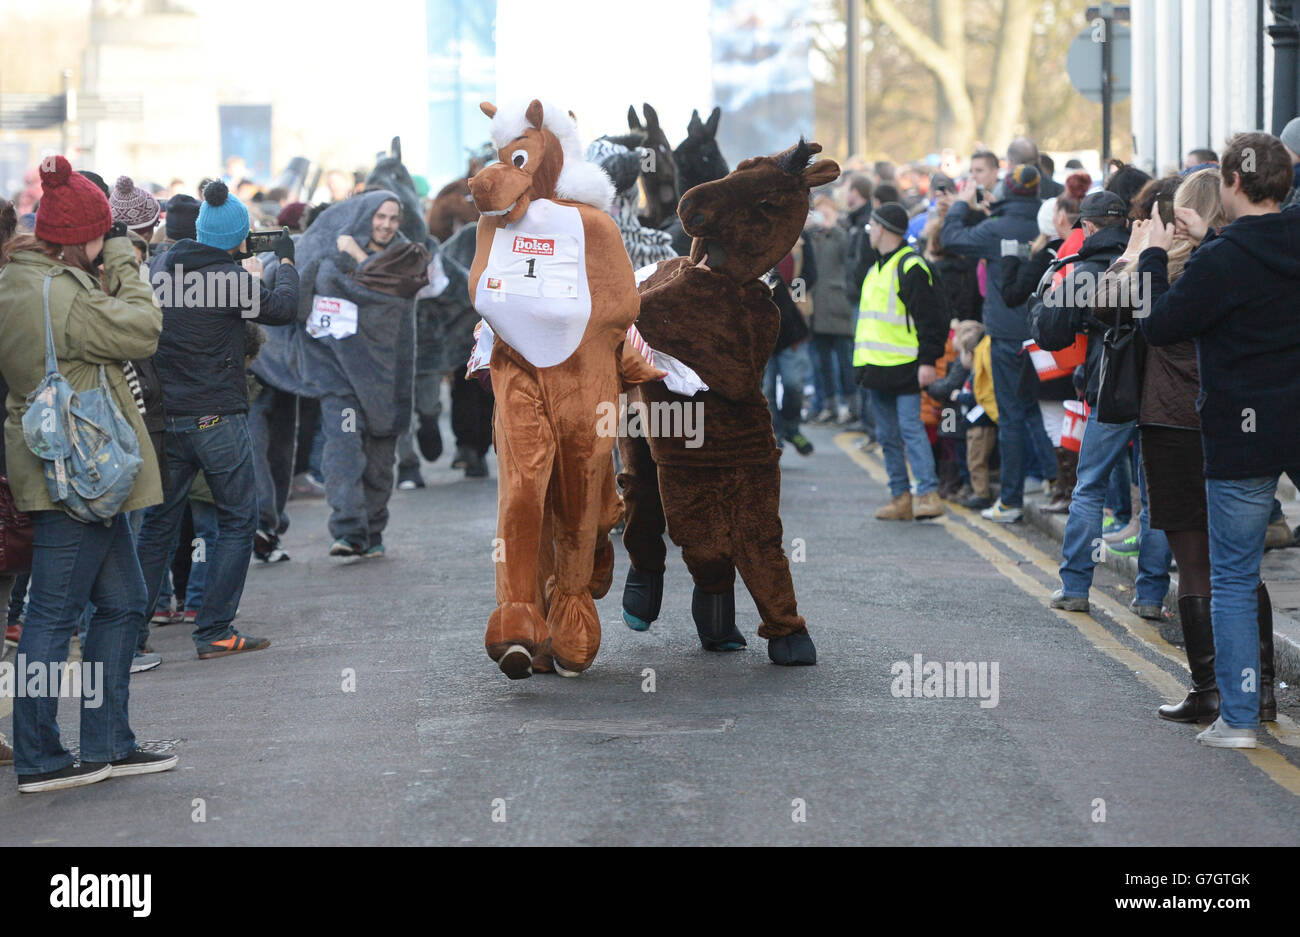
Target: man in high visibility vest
[(901, 331)]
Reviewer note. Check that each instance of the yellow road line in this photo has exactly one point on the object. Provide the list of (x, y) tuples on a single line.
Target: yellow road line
[(1272, 763)]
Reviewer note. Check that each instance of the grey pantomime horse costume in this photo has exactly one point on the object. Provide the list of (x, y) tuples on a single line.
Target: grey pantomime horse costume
[(364, 381)]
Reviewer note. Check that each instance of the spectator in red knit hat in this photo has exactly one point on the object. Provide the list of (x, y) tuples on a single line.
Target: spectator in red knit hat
[(134, 207), (291, 216), (91, 324)]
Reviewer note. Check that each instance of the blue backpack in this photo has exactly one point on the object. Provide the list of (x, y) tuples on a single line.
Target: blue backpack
[(91, 453)]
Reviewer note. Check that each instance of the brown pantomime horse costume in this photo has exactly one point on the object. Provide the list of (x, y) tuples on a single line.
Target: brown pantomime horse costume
[(553, 281), (720, 501)]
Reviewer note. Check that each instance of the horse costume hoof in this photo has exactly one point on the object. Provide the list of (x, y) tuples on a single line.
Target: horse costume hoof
[(715, 621), (792, 650), (516, 663), (566, 673), (643, 594)]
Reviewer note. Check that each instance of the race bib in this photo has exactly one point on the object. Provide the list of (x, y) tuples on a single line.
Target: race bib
[(542, 266), (336, 318)]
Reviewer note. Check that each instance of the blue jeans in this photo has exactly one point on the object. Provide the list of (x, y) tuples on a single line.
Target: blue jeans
[(206, 529), (904, 442), (225, 454), (790, 364), (1105, 444), (1020, 422), (1119, 497), (832, 357), (1239, 515), (1040, 458), (74, 564)]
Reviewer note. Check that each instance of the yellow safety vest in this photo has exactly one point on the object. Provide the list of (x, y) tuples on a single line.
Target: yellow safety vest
[(885, 335)]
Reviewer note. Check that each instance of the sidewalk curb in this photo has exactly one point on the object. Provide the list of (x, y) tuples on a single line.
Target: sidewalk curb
[(1286, 629)]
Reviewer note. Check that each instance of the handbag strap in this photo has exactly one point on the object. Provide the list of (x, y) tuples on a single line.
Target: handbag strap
[(51, 360)]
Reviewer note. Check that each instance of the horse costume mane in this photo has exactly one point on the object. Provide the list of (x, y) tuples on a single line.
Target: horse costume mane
[(578, 180)]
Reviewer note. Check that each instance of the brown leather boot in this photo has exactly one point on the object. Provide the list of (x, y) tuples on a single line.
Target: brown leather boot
[(899, 509), (1267, 700), (928, 505), (1067, 464), (1202, 702)]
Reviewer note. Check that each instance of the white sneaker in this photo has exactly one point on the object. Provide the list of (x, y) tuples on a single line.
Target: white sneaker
[(1222, 735), (843, 416), (1001, 514)]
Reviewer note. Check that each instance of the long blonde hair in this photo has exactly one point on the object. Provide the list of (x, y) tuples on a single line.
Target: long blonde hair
[(1199, 192)]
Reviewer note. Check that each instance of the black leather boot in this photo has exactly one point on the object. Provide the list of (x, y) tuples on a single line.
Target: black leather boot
[(643, 593), (715, 620), (1267, 701), (1202, 702)]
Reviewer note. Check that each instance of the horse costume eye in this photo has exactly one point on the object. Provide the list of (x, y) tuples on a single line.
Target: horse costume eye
[(519, 158)]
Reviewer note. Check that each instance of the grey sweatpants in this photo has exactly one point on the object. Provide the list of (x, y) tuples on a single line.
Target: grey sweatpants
[(358, 470)]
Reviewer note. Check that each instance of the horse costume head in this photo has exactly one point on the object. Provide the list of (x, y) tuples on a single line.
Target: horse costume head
[(744, 223), (660, 180), (391, 174), (540, 157), (698, 158)]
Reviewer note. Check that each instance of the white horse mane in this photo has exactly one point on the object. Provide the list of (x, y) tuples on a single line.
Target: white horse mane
[(579, 180)]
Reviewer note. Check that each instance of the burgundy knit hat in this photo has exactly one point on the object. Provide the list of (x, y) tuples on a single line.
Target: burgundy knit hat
[(291, 214), (132, 205), (72, 209)]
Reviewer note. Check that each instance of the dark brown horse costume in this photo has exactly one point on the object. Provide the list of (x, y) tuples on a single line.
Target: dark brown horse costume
[(720, 501)]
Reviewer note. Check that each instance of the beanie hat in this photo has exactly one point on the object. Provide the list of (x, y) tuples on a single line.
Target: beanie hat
[(98, 180), (291, 214), (1103, 204), (1023, 180), (1291, 135), (223, 221), (182, 212), (1047, 218), (132, 205), (892, 217), (72, 210)]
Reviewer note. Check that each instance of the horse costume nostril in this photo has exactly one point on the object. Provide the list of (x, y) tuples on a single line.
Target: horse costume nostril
[(697, 219)]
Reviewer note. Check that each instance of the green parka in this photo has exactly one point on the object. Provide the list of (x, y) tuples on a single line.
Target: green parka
[(90, 328)]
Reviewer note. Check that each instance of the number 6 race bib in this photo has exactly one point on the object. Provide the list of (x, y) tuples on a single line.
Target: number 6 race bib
[(336, 318)]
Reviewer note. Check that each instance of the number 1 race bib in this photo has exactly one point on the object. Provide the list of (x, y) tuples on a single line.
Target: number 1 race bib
[(336, 318), (533, 291)]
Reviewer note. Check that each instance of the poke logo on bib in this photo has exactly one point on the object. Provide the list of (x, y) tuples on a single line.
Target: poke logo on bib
[(526, 244)]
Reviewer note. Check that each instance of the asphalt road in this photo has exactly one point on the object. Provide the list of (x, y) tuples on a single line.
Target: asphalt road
[(432, 745)]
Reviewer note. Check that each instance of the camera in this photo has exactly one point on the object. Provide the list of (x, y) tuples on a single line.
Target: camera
[(259, 242)]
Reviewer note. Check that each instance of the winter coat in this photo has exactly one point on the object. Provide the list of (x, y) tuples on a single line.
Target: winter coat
[(1019, 280), (982, 378), (957, 278), (1171, 379), (949, 376), (1066, 310), (833, 314), (200, 359), (1015, 219), (1237, 299), (1293, 197), (859, 255), (91, 328)]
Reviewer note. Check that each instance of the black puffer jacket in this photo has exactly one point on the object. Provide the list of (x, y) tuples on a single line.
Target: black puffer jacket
[(200, 358), (1066, 310)]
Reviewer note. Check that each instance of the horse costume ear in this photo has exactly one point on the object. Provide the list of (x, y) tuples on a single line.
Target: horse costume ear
[(711, 127), (395, 148), (651, 118), (534, 113), (488, 108), (695, 127), (633, 122)]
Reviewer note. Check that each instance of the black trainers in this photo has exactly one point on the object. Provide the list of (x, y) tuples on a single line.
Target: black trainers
[(266, 548), (77, 774), (429, 439), (235, 644), (138, 762), (475, 464), (409, 478)]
